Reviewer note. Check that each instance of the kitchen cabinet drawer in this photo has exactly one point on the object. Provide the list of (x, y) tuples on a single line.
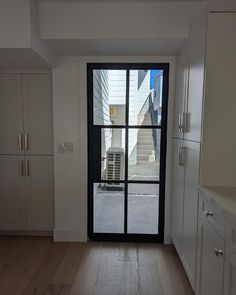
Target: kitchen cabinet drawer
[(213, 214), (211, 253)]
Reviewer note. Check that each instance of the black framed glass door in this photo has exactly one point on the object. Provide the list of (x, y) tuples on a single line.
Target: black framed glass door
[(127, 125)]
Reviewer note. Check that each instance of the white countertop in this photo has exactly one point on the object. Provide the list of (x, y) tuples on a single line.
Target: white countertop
[(224, 196)]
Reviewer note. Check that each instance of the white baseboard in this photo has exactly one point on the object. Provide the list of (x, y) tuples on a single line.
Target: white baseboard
[(67, 235)]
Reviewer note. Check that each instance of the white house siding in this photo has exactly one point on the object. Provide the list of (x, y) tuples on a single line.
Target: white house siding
[(101, 111)]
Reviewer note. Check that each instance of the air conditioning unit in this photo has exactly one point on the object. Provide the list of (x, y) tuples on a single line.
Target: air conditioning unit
[(115, 164)]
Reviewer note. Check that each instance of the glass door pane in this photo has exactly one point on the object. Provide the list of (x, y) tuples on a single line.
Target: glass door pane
[(109, 97), (144, 154), (145, 97), (143, 208), (108, 199)]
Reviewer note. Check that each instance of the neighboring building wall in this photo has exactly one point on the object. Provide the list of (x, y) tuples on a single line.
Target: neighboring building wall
[(101, 109), (100, 98)]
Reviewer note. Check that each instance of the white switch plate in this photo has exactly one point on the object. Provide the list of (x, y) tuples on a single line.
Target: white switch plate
[(65, 147)]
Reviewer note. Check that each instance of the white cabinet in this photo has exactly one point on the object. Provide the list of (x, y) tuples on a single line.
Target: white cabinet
[(190, 209), (11, 114), (197, 45), (210, 260), (37, 109), (230, 272), (207, 66), (39, 192), (26, 152), (26, 193), (190, 66), (12, 193), (177, 196), (185, 203), (181, 91), (26, 114)]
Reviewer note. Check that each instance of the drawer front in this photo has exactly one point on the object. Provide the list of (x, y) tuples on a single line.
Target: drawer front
[(231, 233), (213, 214)]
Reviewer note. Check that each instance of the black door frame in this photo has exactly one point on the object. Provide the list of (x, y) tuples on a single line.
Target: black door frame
[(94, 154)]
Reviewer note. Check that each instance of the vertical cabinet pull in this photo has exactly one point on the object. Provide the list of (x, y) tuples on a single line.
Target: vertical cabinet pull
[(27, 171), (22, 167), (185, 122), (20, 141), (26, 141), (182, 155), (180, 122)]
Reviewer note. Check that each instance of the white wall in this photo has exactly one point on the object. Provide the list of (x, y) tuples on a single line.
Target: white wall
[(70, 124), (67, 166), (15, 24)]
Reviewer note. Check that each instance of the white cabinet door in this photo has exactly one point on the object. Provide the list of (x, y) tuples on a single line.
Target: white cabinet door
[(40, 192), (230, 272), (197, 45), (190, 211), (12, 193), (210, 266), (180, 91), (37, 101), (11, 116), (177, 196)]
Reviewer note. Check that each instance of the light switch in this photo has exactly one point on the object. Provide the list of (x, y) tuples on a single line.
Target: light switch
[(65, 147)]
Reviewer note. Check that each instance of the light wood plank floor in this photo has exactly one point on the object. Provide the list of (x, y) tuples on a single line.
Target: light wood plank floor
[(36, 265)]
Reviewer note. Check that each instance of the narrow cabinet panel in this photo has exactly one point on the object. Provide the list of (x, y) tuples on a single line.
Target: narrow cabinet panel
[(11, 118), (230, 273), (40, 192), (197, 46), (182, 70), (210, 260), (190, 211), (12, 193), (37, 105), (177, 195)]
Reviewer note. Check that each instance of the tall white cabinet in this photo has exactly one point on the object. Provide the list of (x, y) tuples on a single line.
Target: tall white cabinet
[(204, 121), (186, 147), (26, 153)]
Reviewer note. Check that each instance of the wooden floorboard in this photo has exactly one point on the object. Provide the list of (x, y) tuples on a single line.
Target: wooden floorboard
[(36, 265)]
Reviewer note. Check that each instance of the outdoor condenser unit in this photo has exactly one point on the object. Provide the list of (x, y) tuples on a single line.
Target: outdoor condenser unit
[(115, 163)]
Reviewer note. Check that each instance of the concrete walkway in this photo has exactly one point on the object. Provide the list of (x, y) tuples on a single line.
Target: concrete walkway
[(142, 210)]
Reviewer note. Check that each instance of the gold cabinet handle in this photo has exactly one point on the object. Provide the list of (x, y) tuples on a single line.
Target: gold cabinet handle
[(26, 141), (185, 122), (20, 141), (27, 170), (180, 122)]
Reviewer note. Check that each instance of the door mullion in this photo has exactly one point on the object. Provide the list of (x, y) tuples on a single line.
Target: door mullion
[(126, 152)]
